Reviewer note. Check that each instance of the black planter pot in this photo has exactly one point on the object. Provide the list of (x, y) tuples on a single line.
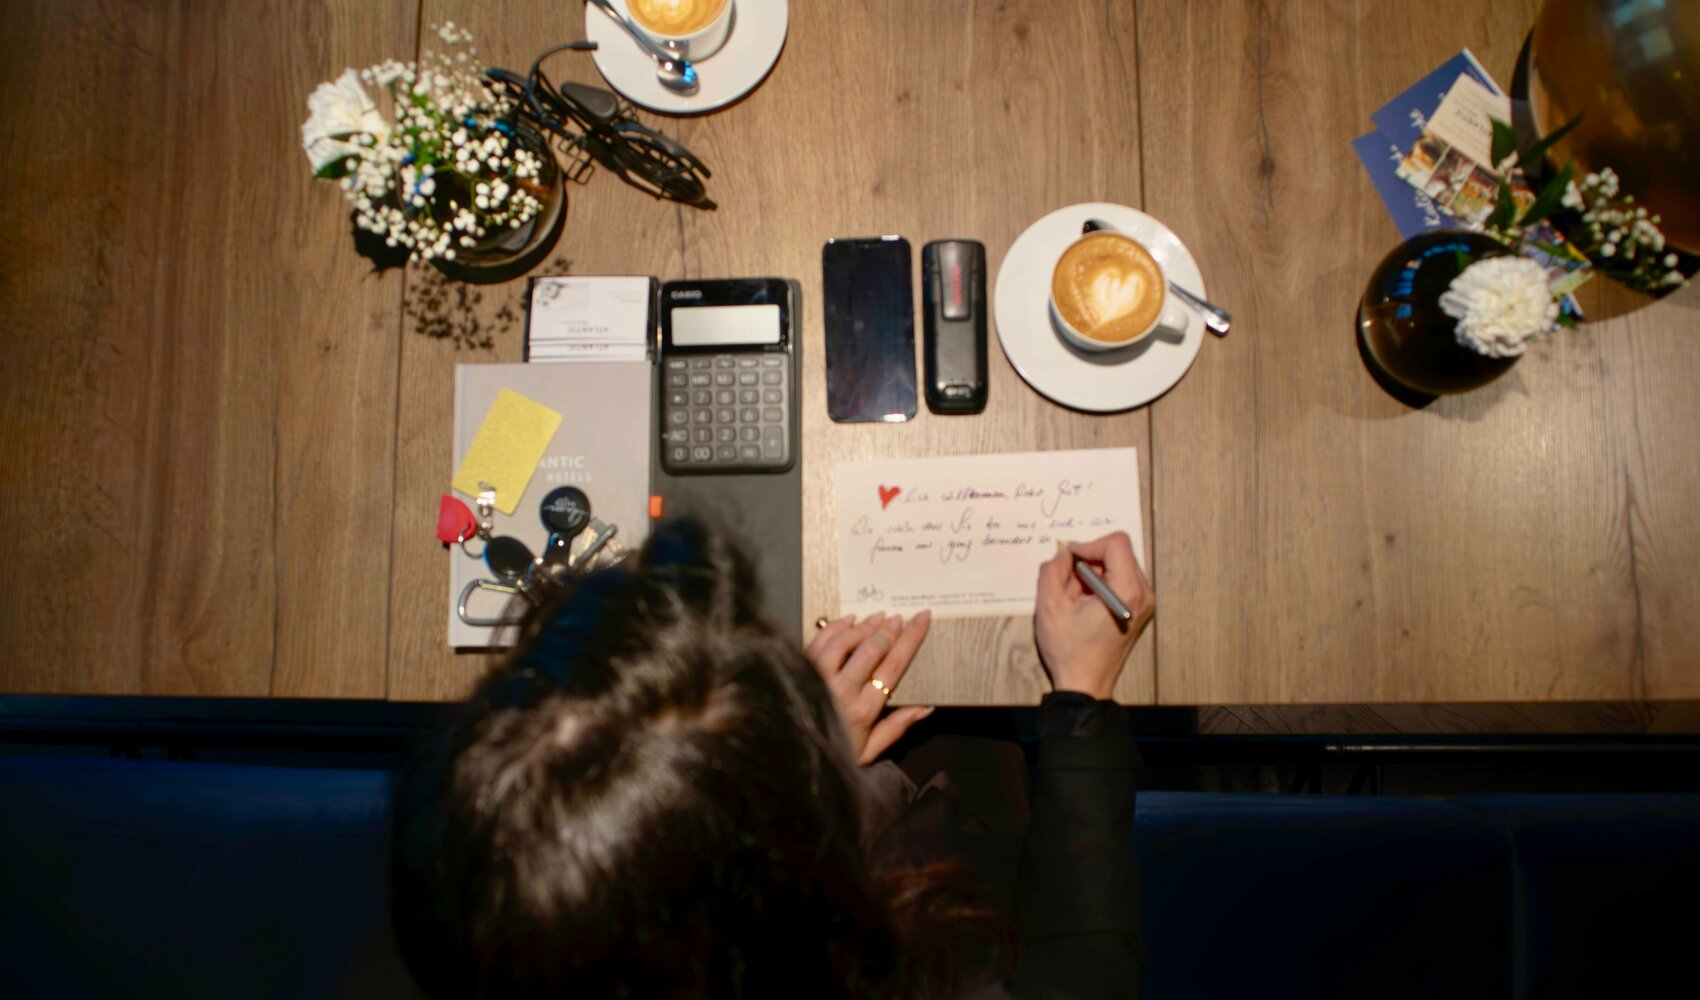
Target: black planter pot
[(1405, 336), (507, 254)]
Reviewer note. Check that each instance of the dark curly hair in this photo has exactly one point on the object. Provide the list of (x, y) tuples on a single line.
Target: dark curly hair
[(654, 797)]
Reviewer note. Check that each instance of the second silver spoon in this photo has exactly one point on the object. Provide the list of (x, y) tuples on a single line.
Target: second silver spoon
[(673, 70), (1216, 319)]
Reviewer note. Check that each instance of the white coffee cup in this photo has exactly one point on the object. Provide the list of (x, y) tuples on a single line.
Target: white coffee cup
[(1169, 316), (698, 42)]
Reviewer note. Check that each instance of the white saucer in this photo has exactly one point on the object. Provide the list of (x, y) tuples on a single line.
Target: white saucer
[(758, 34), (1106, 381)]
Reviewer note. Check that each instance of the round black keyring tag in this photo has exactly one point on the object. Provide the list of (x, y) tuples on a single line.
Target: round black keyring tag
[(508, 558), (565, 511)]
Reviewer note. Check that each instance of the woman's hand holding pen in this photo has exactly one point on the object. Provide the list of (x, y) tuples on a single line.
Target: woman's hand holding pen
[(1082, 643)]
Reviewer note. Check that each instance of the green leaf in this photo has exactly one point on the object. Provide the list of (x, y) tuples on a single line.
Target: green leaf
[(1551, 196), (336, 169), (1504, 210), (1566, 254), (1504, 142), (1537, 150)]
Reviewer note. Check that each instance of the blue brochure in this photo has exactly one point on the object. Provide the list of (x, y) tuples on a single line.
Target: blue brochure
[(1403, 118), (1413, 211), (1398, 124)]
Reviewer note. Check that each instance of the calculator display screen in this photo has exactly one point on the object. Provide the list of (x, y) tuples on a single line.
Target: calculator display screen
[(725, 326)]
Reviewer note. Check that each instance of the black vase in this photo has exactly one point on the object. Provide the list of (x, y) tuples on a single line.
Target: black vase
[(1404, 334), (507, 253)]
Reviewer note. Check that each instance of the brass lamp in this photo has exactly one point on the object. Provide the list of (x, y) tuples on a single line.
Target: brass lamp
[(1631, 69)]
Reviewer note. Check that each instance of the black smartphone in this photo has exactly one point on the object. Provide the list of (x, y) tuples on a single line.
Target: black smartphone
[(870, 329)]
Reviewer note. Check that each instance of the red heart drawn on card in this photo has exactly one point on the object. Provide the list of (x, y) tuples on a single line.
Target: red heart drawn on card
[(888, 494)]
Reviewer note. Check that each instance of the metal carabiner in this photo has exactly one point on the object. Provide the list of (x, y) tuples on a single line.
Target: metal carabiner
[(483, 584)]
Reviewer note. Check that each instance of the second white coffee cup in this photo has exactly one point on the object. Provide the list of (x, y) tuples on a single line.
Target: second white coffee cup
[(1169, 317), (698, 27)]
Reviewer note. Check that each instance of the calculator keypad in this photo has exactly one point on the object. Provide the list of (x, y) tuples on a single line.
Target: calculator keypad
[(726, 413)]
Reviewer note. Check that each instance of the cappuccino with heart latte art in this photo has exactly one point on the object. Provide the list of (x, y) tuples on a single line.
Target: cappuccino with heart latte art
[(1108, 288), (675, 18)]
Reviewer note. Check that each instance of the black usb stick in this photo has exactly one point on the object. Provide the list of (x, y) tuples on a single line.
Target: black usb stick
[(954, 330)]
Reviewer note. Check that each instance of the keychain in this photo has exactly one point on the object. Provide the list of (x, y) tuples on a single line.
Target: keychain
[(512, 562), (486, 510), (482, 584), (455, 522), (566, 515), (457, 525), (565, 512), (602, 534)]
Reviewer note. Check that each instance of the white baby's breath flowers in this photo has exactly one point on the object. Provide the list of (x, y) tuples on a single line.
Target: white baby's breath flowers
[(1500, 304), (451, 133), (1624, 239)]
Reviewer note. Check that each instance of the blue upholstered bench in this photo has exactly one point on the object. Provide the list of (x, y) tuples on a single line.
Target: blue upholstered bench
[(140, 878)]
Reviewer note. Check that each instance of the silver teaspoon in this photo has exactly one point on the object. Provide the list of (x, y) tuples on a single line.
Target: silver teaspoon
[(1216, 319), (673, 70)]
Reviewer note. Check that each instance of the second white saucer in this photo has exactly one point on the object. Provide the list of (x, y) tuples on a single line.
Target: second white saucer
[(1102, 382), (758, 36)]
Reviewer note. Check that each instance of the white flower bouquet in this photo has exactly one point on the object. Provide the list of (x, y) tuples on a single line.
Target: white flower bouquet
[(1602, 230), (1502, 303), (442, 170), (1622, 238)]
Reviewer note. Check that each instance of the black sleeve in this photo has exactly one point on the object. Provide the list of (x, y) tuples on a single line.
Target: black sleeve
[(1078, 896)]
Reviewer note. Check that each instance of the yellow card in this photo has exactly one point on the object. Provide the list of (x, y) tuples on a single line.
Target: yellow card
[(505, 451)]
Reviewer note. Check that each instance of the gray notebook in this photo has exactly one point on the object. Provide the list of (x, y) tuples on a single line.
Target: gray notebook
[(602, 447)]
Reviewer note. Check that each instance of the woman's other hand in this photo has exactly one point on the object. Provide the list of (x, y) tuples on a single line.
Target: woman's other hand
[(851, 657)]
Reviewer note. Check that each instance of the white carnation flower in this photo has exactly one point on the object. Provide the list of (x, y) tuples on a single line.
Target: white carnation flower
[(336, 111), (1499, 304), (327, 151)]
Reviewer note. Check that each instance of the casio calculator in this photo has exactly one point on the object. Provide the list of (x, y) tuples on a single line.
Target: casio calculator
[(728, 395)]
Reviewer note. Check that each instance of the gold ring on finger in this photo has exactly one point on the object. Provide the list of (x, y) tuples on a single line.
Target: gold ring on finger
[(882, 687)]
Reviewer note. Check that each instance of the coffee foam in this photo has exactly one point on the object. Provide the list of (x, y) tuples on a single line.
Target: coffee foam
[(675, 17), (1108, 287)]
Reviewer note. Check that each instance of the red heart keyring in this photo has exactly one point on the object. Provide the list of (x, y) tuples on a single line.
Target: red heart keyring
[(455, 523)]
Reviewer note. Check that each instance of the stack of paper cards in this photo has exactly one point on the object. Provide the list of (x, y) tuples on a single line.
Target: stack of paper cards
[(1400, 123), (1431, 160), (1452, 160), (590, 319)]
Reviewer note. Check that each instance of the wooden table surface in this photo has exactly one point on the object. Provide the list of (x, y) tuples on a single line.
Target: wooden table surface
[(227, 435)]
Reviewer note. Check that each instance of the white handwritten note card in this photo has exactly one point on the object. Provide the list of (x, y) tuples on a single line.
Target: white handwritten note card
[(965, 535)]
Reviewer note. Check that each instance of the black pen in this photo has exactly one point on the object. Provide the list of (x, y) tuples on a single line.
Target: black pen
[(1090, 577)]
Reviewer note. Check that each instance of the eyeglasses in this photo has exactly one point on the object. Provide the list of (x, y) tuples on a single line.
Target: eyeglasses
[(592, 126)]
